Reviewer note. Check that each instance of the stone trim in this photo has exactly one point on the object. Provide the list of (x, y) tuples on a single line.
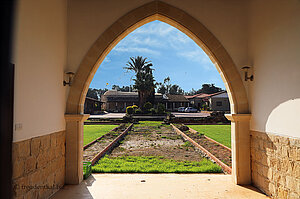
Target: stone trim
[(76, 117), (238, 117), (39, 166), (275, 164), (157, 10)]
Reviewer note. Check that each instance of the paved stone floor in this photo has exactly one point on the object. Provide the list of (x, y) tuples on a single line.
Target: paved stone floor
[(154, 186)]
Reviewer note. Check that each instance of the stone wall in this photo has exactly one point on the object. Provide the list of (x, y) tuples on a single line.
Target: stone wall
[(276, 164), (39, 166)]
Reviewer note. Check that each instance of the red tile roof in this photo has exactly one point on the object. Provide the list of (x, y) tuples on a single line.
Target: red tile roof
[(203, 95)]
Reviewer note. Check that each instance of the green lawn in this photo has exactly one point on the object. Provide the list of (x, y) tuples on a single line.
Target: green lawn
[(152, 164), (220, 133), (91, 132)]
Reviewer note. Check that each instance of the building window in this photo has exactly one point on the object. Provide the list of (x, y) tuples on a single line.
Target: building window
[(219, 103)]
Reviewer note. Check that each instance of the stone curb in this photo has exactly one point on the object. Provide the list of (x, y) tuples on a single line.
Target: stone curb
[(225, 168), (110, 146), (194, 131)]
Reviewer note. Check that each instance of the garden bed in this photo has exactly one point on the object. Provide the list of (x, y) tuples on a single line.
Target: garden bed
[(98, 145), (157, 143), (214, 148)]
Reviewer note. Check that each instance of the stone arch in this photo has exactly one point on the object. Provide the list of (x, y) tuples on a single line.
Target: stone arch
[(157, 10), (171, 15)]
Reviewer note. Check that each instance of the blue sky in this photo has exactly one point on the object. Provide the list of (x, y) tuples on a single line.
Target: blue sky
[(172, 54)]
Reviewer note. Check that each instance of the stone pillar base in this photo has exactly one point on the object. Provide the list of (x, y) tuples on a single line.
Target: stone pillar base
[(240, 145), (74, 147)]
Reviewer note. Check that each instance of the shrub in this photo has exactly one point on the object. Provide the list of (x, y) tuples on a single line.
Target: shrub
[(129, 110), (148, 106), (153, 111), (138, 111), (161, 109)]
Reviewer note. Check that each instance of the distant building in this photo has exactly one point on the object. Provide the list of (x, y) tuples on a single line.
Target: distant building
[(117, 101), (92, 106), (173, 102), (198, 100), (216, 101), (219, 102)]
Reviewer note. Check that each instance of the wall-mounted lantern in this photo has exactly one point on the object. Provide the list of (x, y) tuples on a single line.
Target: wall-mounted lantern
[(246, 70), (70, 76)]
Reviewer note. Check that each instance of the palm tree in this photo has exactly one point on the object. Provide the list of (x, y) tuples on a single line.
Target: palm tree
[(144, 80)]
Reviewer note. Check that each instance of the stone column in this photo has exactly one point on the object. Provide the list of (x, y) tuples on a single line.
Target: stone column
[(240, 145), (74, 147)]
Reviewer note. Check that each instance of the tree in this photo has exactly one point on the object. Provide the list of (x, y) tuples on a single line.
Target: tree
[(206, 88), (123, 89), (115, 87), (167, 87), (92, 93), (210, 88), (144, 80), (167, 84), (161, 89), (95, 93), (176, 90)]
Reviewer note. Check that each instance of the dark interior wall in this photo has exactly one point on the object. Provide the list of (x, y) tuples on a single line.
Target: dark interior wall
[(6, 97)]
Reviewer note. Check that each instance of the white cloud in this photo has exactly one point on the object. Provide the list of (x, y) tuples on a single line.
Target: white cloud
[(157, 35), (157, 28), (106, 60), (136, 49), (198, 56), (141, 41)]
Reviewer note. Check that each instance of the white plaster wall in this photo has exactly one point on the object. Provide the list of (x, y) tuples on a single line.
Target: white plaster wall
[(262, 33), (39, 58), (274, 50), (88, 19)]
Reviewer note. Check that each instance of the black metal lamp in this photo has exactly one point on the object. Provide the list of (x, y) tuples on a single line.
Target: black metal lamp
[(70, 77), (246, 69)]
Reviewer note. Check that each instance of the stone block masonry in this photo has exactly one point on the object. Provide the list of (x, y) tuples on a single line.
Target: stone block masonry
[(276, 164), (39, 166)]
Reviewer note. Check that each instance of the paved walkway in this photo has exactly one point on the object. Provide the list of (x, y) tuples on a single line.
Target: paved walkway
[(121, 115), (195, 115), (109, 115), (153, 186)]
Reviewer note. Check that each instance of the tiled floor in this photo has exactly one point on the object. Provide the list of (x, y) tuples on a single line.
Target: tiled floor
[(146, 186)]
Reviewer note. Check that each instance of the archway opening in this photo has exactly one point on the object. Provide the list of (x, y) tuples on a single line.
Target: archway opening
[(176, 62), (206, 40)]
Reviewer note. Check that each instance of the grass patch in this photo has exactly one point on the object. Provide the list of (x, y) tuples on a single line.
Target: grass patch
[(220, 133), (149, 123), (91, 132), (188, 144), (152, 164)]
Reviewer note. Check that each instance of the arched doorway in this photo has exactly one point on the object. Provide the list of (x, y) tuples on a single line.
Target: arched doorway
[(157, 10)]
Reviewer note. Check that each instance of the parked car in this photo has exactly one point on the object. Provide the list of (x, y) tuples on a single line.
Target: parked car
[(190, 110), (181, 109)]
